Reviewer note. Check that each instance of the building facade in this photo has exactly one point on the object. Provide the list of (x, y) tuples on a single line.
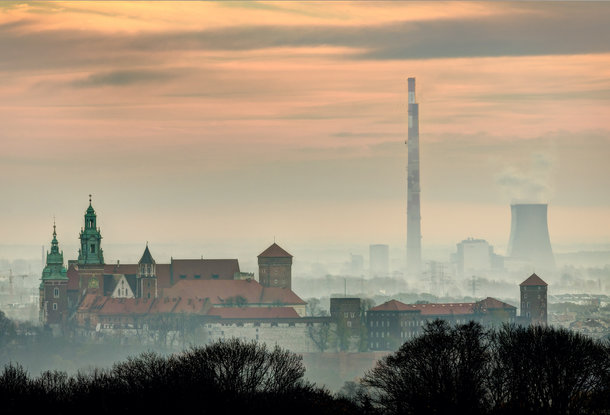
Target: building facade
[(534, 300), (392, 323)]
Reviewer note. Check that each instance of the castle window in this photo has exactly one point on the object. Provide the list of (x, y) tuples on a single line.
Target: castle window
[(56, 292), (148, 295), (349, 324), (54, 306), (183, 276), (92, 248), (214, 276), (197, 277)]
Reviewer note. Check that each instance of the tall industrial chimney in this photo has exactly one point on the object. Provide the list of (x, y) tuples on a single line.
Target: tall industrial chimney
[(529, 235), (413, 210)]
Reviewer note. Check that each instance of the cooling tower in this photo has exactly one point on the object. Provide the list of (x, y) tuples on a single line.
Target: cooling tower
[(529, 235)]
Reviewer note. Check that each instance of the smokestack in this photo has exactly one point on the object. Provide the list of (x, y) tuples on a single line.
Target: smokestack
[(413, 191), (529, 235)]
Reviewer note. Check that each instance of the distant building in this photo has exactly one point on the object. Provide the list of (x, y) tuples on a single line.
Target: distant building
[(392, 323), (534, 300), (131, 296), (474, 257), (379, 260), (274, 267), (346, 312), (54, 288)]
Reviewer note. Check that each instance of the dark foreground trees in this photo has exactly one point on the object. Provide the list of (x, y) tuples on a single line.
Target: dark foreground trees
[(231, 376), (464, 369)]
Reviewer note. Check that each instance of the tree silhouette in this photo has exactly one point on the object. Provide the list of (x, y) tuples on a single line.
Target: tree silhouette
[(441, 371), (465, 369), (546, 370)]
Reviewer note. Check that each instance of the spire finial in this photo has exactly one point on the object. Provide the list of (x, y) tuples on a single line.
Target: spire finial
[(89, 198), (54, 232)]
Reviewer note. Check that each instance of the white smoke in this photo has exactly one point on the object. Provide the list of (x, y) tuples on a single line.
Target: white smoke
[(530, 183)]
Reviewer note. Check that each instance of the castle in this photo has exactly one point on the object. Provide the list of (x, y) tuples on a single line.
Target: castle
[(95, 295)]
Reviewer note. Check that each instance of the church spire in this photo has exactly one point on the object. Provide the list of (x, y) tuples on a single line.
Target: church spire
[(54, 268), (90, 239)]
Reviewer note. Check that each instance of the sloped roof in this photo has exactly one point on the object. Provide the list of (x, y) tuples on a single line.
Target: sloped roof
[(225, 269), (254, 312), (164, 305), (92, 302), (533, 280), (274, 251), (126, 306), (221, 292), (491, 303), (193, 306), (280, 295), (392, 305), (146, 257), (427, 309)]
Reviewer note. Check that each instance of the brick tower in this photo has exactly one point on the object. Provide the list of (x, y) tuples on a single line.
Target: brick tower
[(275, 267), (54, 289), (533, 300)]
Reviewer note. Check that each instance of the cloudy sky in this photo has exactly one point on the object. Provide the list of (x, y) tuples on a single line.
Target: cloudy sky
[(204, 123)]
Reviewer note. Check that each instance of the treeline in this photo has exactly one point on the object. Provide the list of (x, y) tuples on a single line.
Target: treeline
[(511, 370), (447, 370), (230, 376)]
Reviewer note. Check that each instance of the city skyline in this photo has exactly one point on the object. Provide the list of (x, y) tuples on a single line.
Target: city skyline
[(240, 122)]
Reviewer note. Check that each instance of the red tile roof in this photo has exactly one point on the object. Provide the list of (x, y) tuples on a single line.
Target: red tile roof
[(282, 295), (224, 269), (254, 312), (392, 305), (427, 309), (443, 309), (533, 280), (491, 303), (274, 251), (164, 305), (92, 302), (126, 306), (193, 306), (221, 292)]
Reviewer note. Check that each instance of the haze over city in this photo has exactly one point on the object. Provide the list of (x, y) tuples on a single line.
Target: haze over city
[(213, 128)]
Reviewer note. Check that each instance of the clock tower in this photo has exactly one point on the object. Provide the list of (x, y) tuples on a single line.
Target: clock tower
[(90, 255)]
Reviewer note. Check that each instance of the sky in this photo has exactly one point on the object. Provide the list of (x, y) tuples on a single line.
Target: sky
[(212, 125)]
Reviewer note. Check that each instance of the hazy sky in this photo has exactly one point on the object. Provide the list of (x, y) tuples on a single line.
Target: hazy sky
[(221, 123)]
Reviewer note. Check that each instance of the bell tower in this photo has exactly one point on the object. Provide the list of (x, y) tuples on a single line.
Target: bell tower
[(90, 261), (90, 252), (147, 276), (54, 288)]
